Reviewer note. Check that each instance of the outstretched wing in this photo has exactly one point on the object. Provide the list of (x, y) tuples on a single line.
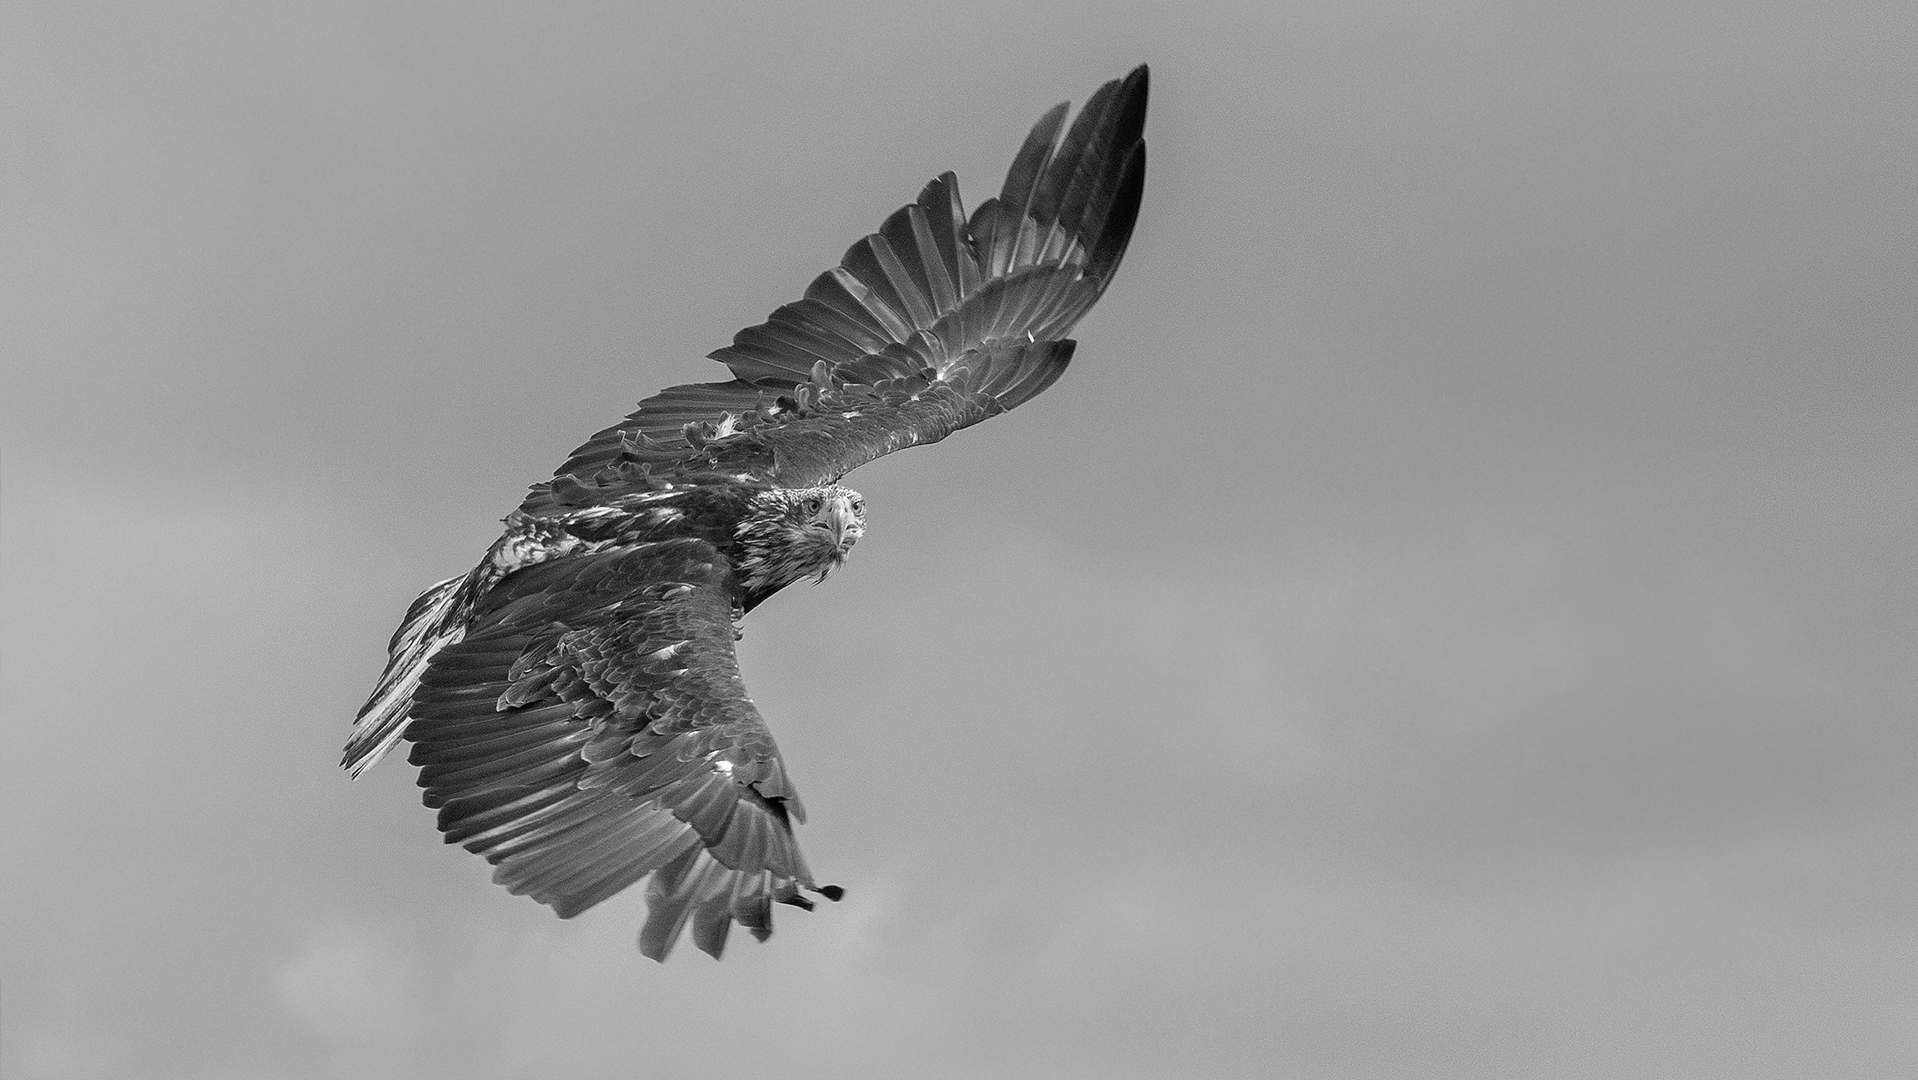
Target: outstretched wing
[(932, 323), (591, 728)]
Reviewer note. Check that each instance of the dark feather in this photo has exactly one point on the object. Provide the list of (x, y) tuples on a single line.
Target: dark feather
[(931, 292), (570, 827), (667, 906)]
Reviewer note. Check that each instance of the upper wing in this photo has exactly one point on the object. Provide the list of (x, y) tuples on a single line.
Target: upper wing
[(591, 728), (930, 324)]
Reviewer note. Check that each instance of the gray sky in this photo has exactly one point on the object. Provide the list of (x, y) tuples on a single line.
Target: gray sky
[(1456, 618)]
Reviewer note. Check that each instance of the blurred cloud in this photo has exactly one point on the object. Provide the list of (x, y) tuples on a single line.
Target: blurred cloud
[(349, 986)]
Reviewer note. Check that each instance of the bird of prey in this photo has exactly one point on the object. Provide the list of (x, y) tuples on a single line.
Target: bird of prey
[(574, 701)]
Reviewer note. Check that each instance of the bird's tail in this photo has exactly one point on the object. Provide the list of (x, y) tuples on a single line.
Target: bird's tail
[(437, 619)]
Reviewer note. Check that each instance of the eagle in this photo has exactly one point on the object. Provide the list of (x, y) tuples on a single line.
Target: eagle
[(574, 701)]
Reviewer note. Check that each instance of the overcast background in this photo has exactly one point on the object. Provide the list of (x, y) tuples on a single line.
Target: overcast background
[(1456, 618)]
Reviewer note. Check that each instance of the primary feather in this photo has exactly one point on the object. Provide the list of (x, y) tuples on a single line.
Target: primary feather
[(574, 702)]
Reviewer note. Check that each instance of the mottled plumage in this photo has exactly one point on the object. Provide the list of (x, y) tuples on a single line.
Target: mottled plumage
[(574, 701)]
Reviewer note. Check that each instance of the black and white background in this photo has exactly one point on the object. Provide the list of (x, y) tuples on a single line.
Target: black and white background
[(1458, 617)]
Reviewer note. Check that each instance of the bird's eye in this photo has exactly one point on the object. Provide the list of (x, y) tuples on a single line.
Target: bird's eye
[(812, 506), (859, 507)]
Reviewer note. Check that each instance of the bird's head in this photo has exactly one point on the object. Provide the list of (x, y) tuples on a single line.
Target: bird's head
[(791, 533)]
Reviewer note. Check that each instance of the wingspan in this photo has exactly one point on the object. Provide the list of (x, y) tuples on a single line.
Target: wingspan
[(591, 728), (931, 324)]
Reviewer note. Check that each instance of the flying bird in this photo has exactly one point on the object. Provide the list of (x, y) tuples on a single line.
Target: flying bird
[(574, 701)]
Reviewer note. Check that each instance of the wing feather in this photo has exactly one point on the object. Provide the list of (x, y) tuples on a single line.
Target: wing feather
[(580, 739), (1019, 196), (932, 301), (935, 255)]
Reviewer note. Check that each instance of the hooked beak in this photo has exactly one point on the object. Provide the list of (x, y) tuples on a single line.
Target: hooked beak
[(838, 519)]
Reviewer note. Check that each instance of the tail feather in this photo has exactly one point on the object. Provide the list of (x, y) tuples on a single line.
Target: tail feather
[(437, 619), (697, 888)]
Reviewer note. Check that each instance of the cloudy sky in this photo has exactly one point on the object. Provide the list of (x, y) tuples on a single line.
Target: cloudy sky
[(1457, 618)]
